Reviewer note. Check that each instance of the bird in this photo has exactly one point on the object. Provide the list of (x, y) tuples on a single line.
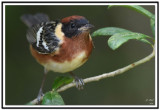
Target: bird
[(59, 45)]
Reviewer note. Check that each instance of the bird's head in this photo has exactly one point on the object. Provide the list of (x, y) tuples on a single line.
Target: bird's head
[(75, 25)]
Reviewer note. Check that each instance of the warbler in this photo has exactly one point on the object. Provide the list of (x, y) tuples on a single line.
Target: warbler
[(59, 45)]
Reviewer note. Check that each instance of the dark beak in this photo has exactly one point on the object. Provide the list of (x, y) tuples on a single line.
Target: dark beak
[(89, 26), (86, 27)]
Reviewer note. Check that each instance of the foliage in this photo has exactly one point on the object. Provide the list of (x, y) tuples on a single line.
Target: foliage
[(120, 36), (60, 81), (137, 8), (108, 31), (52, 98)]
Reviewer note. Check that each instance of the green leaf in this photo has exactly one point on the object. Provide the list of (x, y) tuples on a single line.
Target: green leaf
[(152, 23), (137, 8), (118, 39), (52, 98), (108, 31), (60, 81)]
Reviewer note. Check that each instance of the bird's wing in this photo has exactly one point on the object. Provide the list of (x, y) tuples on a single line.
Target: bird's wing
[(42, 37), (41, 32), (31, 20)]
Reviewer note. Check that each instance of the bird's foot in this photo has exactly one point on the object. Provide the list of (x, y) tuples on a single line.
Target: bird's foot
[(40, 95), (79, 83)]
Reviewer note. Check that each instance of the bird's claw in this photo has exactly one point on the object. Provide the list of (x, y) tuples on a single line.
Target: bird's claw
[(79, 83), (40, 95)]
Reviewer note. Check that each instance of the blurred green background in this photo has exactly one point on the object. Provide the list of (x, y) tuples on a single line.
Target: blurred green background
[(24, 74)]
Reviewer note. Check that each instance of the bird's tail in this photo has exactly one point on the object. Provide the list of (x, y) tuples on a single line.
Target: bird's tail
[(31, 20)]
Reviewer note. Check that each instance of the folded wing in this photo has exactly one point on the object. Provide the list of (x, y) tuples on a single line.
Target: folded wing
[(41, 33)]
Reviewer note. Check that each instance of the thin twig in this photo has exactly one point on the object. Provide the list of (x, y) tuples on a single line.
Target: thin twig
[(106, 75)]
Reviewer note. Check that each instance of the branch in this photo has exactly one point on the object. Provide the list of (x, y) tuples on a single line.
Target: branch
[(105, 75), (110, 74)]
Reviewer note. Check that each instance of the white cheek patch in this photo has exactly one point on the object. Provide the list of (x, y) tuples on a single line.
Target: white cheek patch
[(39, 35)]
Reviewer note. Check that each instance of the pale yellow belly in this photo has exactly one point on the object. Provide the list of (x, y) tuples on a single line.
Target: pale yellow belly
[(66, 66)]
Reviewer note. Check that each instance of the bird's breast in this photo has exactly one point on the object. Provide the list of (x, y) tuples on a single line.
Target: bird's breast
[(72, 54), (66, 66)]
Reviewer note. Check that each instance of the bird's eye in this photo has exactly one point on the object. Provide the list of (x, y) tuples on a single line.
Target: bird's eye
[(73, 25)]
